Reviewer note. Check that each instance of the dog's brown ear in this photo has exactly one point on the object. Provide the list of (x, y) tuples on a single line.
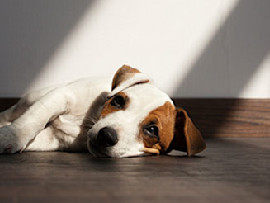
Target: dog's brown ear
[(122, 74), (187, 137), (126, 77)]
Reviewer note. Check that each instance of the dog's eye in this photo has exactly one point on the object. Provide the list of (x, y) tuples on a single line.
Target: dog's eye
[(151, 130), (118, 102)]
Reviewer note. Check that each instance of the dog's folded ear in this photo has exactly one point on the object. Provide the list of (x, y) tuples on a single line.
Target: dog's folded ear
[(187, 137), (126, 77)]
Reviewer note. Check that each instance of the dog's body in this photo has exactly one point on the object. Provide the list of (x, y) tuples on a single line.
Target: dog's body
[(126, 118)]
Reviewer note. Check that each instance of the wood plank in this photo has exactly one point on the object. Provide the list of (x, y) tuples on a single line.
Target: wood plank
[(229, 170), (229, 117), (218, 117)]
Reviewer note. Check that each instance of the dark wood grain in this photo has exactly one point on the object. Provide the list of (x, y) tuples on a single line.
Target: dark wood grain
[(229, 117), (230, 170), (218, 117)]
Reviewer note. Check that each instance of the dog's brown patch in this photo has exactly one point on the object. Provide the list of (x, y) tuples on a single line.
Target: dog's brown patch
[(187, 137), (108, 108), (164, 118), (124, 73)]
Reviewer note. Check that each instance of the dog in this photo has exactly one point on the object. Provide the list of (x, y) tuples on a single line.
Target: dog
[(124, 118)]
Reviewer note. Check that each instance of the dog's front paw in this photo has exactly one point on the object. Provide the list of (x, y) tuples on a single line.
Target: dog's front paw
[(9, 142)]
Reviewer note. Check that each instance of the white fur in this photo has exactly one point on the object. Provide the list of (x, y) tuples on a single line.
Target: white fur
[(51, 119), (60, 105)]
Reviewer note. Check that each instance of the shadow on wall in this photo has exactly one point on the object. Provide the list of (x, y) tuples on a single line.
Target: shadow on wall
[(237, 49), (28, 32), (243, 35)]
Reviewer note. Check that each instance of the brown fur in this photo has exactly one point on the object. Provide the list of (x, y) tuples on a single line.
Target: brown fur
[(108, 108), (164, 118), (187, 137), (176, 131), (124, 73)]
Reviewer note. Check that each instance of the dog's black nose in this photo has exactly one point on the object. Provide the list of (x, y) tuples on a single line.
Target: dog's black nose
[(107, 137)]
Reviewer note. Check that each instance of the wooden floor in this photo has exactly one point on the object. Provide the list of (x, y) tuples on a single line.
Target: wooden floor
[(230, 170)]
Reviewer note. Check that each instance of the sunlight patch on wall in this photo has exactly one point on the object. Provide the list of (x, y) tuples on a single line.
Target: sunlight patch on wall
[(205, 22), (259, 85), (162, 38)]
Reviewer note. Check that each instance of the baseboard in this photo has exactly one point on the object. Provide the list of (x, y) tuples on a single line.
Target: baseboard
[(229, 117), (218, 117)]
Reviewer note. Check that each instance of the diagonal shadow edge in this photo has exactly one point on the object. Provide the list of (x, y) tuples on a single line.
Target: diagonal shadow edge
[(246, 20), (31, 33)]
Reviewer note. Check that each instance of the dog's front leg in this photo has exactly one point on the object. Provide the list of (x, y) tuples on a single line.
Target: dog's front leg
[(16, 136)]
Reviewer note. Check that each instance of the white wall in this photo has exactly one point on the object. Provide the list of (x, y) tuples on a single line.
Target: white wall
[(191, 48)]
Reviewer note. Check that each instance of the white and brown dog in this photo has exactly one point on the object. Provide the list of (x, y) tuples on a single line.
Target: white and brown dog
[(128, 117)]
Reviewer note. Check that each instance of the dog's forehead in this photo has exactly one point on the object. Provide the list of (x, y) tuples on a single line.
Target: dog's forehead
[(146, 97)]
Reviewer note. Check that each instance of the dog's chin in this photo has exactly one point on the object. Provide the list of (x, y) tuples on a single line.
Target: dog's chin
[(110, 152), (103, 152), (97, 151)]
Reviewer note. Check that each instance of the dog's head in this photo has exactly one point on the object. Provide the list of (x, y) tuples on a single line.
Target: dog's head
[(138, 118)]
